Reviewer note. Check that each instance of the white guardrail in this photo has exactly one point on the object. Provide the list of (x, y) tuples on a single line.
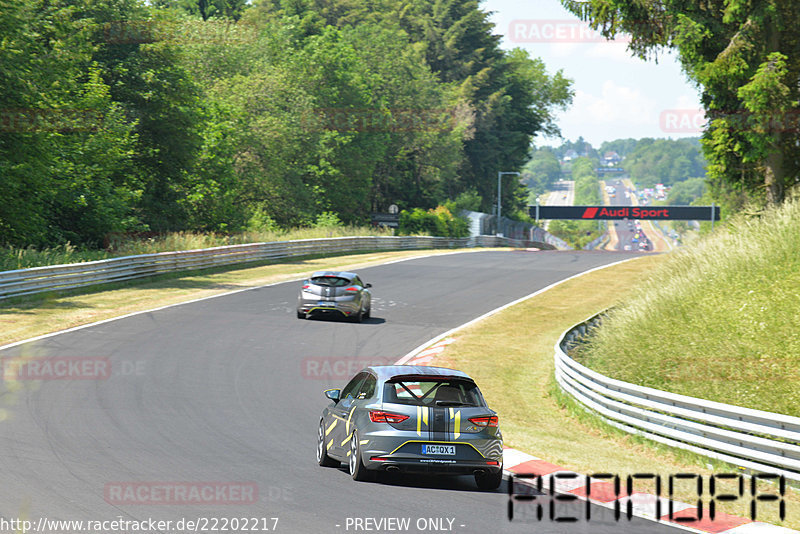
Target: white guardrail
[(755, 440), (59, 277)]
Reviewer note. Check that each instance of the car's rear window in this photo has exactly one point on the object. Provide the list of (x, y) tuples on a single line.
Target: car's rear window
[(447, 392), (330, 281)]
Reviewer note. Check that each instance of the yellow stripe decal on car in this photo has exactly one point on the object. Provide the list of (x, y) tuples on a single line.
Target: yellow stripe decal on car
[(347, 439), (457, 425), (328, 430), (364, 441), (422, 418), (347, 423), (329, 444)]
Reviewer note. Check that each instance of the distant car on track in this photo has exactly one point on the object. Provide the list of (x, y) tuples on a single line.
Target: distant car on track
[(335, 293), (414, 419)]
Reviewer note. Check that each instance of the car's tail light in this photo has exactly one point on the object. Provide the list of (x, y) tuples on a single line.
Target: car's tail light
[(306, 286), (484, 421), (351, 289), (492, 462), (377, 416)]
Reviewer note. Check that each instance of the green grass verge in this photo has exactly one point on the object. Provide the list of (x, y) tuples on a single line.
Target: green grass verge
[(717, 320), (510, 355)]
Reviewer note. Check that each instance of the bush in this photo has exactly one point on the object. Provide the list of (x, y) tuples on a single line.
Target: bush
[(577, 234), (437, 222), (327, 219)]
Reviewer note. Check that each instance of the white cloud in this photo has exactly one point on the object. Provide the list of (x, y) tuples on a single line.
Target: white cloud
[(616, 104), (685, 101), (616, 95)]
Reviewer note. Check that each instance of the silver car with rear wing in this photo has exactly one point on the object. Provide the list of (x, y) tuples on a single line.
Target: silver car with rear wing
[(337, 293), (414, 419)]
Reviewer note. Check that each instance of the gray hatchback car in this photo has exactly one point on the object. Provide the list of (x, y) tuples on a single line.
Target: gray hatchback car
[(338, 293), (406, 418)]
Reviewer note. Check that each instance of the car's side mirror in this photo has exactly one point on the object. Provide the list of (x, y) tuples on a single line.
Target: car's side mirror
[(333, 394), (367, 285)]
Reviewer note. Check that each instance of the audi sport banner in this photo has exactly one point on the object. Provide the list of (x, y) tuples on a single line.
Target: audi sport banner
[(677, 213)]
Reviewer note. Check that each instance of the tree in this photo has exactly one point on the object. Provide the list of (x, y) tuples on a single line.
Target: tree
[(541, 172), (664, 161), (506, 98), (742, 54), (686, 192), (623, 147), (206, 9)]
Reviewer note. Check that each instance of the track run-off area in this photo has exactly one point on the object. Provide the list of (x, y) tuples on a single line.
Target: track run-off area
[(208, 410)]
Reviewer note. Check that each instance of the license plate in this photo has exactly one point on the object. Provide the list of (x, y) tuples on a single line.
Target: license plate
[(325, 303), (448, 450)]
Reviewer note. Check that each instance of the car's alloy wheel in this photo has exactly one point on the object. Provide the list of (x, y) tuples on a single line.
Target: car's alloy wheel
[(322, 451), (357, 469)]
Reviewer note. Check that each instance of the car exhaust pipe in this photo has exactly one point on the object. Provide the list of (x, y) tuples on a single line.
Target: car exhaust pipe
[(479, 472), (392, 469)]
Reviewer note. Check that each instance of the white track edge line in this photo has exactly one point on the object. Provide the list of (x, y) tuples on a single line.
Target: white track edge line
[(431, 341), (438, 338), (192, 301)]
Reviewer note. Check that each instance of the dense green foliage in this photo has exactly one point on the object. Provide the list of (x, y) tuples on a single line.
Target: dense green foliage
[(225, 116), (743, 55), (720, 316), (686, 192), (587, 192), (438, 222), (664, 161), (623, 147)]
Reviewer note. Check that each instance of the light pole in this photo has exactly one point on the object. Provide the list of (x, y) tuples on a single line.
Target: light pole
[(499, 176)]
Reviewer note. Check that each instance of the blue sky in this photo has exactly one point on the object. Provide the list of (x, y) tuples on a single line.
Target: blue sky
[(616, 95)]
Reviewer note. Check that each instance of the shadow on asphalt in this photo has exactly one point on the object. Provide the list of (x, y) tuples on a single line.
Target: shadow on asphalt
[(447, 483), (335, 319)]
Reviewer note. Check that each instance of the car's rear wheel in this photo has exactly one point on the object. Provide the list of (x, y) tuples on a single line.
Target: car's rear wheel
[(490, 481), (358, 316), (322, 451), (368, 312), (357, 469)]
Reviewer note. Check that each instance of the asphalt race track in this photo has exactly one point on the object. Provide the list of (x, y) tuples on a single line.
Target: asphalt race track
[(625, 233), (226, 393)]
